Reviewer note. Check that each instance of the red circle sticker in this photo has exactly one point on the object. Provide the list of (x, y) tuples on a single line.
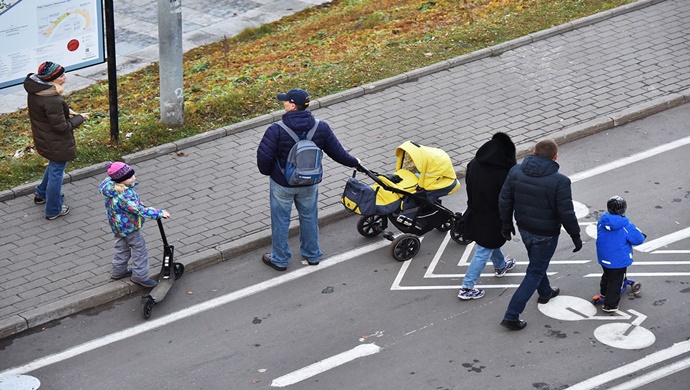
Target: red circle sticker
[(73, 45)]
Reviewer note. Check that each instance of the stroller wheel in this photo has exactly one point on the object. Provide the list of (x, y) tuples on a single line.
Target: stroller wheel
[(405, 247), (444, 227), (457, 237), (370, 226)]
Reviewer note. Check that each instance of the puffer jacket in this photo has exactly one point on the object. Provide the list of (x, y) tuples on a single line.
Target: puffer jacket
[(485, 176), (125, 212), (51, 125), (540, 197), (615, 237), (277, 143)]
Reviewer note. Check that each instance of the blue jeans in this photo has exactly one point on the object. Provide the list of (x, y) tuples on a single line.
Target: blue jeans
[(306, 200), (540, 249), (132, 247), (50, 187), (479, 260)]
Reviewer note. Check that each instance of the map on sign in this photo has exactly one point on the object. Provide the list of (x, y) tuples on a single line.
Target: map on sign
[(69, 32), (65, 25)]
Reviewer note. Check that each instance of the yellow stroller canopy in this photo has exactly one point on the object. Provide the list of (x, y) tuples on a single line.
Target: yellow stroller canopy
[(434, 165)]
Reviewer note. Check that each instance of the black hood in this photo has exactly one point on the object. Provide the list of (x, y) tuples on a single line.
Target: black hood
[(499, 151)]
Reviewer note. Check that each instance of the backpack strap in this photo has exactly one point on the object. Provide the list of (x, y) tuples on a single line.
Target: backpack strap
[(292, 133)]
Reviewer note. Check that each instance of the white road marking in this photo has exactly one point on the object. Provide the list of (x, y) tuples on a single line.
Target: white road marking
[(663, 241), (629, 160), (638, 274), (325, 365), (664, 252), (190, 311), (654, 375), (632, 368)]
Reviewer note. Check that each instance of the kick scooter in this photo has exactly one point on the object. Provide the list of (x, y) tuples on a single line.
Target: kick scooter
[(170, 271), (635, 288)]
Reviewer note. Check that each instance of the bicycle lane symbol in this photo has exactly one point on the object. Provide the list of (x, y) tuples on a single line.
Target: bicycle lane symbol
[(622, 335)]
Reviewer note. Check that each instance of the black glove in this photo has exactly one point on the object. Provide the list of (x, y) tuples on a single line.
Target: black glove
[(359, 168), (578, 242), (507, 230)]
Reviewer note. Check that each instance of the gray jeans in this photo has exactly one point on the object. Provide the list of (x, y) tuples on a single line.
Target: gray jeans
[(133, 246)]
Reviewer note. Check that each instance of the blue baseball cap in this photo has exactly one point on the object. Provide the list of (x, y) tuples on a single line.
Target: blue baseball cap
[(297, 96)]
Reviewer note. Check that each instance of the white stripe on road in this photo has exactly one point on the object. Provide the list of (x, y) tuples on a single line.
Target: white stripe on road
[(325, 365), (637, 274), (190, 311), (629, 160), (663, 241), (652, 359), (654, 375)]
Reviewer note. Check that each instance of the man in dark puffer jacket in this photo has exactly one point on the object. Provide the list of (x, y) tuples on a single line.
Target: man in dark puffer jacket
[(541, 199), (273, 150)]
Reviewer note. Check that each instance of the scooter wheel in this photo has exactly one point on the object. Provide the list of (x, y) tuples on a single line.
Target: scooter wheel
[(179, 270), (147, 308), (636, 287), (405, 247)]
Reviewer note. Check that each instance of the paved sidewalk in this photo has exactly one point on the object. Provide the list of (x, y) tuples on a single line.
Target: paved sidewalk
[(565, 82)]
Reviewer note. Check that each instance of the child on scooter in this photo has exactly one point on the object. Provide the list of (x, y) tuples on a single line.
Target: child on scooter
[(126, 217), (615, 237)]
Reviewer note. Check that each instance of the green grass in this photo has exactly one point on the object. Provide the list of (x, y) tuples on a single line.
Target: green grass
[(325, 49)]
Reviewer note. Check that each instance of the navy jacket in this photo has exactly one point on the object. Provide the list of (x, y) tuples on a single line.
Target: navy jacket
[(277, 143), (615, 237), (540, 197)]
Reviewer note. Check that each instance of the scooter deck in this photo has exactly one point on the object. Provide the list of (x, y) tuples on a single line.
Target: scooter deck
[(158, 293)]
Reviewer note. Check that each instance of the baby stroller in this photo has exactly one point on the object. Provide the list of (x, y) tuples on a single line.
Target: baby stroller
[(410, 199)]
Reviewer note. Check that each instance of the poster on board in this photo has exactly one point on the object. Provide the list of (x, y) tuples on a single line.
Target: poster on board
[(69, 32)]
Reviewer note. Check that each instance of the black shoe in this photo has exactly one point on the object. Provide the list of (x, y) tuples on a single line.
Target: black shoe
[(554, 293), (514, 325), (610, 309), (266, 258), (313, 262), (38, 200)]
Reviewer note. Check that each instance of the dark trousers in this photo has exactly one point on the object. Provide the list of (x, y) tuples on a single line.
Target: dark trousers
[(611, 285)]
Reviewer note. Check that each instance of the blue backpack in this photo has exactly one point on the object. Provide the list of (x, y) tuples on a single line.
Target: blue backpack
[(303, 165)]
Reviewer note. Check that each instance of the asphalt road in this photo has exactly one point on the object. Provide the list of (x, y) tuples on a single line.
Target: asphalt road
[(362, 320)]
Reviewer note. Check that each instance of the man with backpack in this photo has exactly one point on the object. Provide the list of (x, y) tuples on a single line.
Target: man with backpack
[(294, 168)]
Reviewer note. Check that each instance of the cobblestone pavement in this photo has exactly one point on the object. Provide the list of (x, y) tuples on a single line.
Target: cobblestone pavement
[(565, 82)]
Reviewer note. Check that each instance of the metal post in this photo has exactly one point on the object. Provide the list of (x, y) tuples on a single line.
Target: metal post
[(112, 70), (170, 61)]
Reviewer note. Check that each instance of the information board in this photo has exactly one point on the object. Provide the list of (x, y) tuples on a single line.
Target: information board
[(69, 32)]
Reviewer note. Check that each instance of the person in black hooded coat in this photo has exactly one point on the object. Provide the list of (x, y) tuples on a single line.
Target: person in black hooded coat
[(483, 181)]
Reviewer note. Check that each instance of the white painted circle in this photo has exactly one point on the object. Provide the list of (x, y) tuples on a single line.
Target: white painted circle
[(614, 335), (580, 209), (19, 382), (591, 231), (567, 308)]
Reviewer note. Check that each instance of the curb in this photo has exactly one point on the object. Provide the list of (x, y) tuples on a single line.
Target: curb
[(120, 289)]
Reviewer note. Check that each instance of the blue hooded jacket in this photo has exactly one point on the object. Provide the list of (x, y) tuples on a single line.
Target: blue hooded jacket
[(615, 237), (276, 143)]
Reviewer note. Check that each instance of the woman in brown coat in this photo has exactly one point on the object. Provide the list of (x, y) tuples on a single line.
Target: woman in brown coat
[(52, 126)]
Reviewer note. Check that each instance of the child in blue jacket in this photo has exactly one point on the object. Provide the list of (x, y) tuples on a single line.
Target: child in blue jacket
[(126, 217), (615, 237)]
